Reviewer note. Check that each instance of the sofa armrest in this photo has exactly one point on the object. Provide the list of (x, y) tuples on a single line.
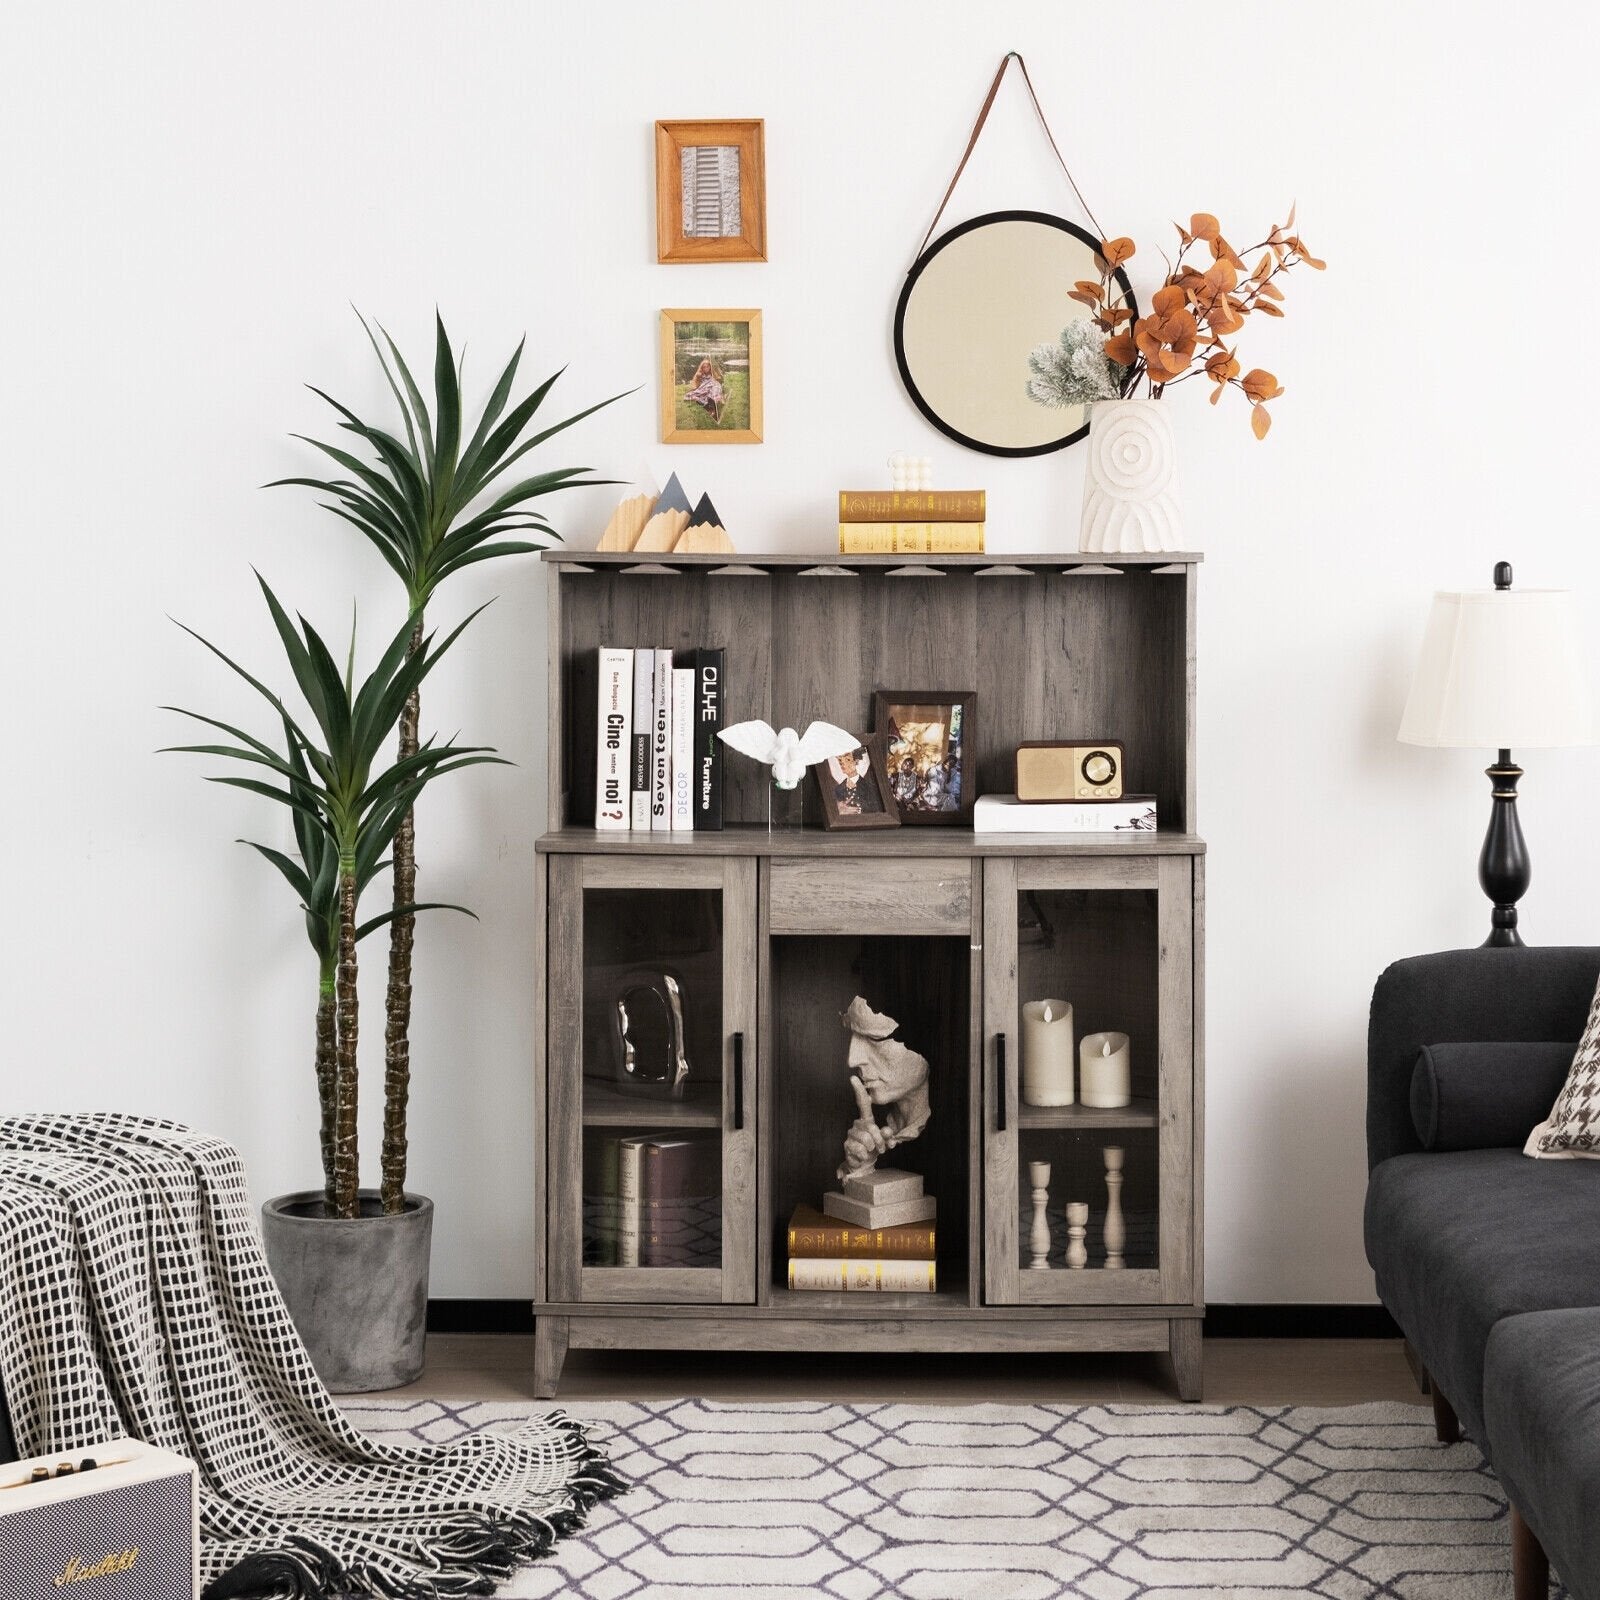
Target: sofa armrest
[(1458, 996)]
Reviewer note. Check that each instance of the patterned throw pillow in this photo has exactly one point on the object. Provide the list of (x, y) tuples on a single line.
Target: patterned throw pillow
[(1572, 1130)]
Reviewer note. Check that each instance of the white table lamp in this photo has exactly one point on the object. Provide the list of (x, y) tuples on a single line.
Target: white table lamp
[(1501, 667)]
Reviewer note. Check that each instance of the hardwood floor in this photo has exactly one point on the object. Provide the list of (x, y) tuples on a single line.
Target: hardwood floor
[(1271, 1372)]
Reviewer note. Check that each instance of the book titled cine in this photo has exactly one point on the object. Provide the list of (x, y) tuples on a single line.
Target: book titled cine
[(1004, 813)]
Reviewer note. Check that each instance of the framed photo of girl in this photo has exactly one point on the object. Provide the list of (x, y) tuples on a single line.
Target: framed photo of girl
[(711, 191), (854, 788), (928, 744), (711, 377)]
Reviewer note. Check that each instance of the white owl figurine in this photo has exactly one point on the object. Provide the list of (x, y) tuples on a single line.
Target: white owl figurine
[(788, 753)]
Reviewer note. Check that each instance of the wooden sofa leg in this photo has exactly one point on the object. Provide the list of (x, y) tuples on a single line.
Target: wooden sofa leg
[(1446, 1425), (1530, 1567), (1418, 1371)]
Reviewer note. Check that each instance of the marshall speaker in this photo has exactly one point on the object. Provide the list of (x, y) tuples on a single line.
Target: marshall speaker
[(120, 1522)]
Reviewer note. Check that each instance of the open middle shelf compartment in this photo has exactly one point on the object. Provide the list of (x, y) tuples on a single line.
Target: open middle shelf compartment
[(925, 984)]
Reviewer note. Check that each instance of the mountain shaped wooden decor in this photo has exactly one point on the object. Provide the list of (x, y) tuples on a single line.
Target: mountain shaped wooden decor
[(705, 534), (627, 523), (667, 521)]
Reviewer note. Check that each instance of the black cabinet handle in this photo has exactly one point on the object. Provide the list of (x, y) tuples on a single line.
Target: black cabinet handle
[(1000, 1081), (738, 1081)]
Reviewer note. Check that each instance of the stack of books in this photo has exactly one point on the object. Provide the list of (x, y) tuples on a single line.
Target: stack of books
[(658, 1202), (911, 522), (658, 765), (825, 1253)]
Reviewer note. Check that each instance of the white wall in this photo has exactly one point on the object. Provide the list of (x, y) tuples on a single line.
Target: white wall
[(192, 194)]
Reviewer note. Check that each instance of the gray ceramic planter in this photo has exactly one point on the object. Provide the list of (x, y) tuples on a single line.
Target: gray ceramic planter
[(357, 1289)]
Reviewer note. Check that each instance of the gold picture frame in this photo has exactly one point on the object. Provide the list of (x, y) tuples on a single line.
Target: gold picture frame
[(711, 376), (711, 191)]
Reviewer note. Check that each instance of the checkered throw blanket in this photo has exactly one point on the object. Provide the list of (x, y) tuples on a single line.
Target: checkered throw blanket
[(135, 1301)]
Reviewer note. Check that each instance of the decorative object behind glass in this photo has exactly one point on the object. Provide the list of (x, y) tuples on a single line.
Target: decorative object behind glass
[(647, 1032)]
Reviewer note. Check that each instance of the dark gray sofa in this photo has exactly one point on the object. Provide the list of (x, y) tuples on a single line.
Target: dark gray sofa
[(1488, 1260)]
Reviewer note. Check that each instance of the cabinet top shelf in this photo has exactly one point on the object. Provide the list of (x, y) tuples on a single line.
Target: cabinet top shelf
[(891, 842), (824, 563)]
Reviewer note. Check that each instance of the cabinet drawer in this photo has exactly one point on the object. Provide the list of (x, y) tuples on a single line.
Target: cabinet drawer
[(930, 896)]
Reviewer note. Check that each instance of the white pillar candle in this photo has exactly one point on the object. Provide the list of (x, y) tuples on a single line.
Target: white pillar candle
[(1047, 1053), (1103, 1072)]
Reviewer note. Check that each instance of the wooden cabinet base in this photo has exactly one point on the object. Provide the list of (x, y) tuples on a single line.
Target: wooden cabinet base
[(985, 1332)]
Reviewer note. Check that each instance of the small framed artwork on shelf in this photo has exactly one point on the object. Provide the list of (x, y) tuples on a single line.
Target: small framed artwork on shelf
[(711, 191), (711, 377), (855, 788), (927, 746)]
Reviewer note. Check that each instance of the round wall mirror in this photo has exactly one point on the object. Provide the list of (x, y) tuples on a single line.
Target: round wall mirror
[(979, 300)]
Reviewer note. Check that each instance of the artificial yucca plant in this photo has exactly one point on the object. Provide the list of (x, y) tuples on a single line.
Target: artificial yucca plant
[(347, 813), (431, 505)]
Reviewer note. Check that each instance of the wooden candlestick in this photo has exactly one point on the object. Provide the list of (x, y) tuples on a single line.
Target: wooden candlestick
[(1116, 1232), (1077, 1227), (1039, 1235)]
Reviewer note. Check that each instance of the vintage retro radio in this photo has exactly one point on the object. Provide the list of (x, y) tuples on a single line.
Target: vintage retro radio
[(118, 1522), (1084, 770)]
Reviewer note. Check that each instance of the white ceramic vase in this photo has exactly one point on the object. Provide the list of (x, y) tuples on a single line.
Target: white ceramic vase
[(1130, 500)]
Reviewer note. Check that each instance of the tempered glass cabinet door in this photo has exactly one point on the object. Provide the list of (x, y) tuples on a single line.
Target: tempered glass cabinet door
[(1111, 938), (652, 1008)]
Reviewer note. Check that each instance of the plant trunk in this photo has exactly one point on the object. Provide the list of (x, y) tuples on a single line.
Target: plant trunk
[(346, 1156), (327, 1075), (397, 1001)]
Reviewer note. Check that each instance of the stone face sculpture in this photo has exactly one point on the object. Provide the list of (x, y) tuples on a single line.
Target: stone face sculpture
[(883, 1072)]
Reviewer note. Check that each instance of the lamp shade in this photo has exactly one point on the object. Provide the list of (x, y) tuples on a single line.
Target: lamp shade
[(1500, 669)]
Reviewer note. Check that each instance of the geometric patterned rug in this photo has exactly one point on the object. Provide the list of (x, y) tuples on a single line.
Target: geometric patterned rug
[(1009, 1502)]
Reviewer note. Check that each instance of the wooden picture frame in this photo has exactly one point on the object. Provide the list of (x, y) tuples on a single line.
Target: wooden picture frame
[(931, 772), (711, 191), (877, 808), (727, 408)]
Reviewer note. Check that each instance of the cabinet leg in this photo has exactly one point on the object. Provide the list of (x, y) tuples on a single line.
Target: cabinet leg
[(1530, 1567), (1446, 1425), (1188, 1361), (549, 1354)]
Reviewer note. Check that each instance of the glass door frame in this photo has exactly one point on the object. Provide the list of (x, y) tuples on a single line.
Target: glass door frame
[(734, 1282), (1171, 1282)]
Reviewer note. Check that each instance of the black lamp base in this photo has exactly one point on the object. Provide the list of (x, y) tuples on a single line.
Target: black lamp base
[(1503, 866)]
